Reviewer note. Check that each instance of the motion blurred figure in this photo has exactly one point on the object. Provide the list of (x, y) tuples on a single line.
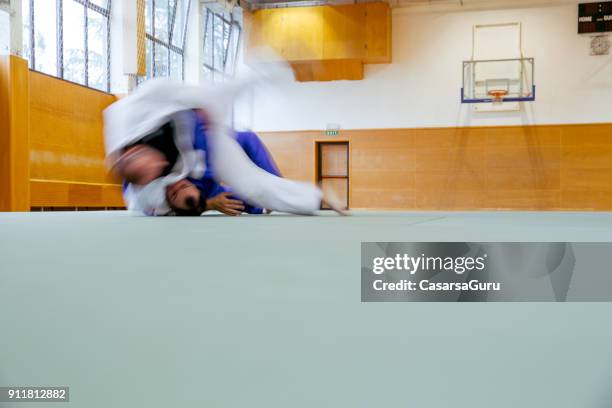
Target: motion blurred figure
[(167, 142), (156, 155)]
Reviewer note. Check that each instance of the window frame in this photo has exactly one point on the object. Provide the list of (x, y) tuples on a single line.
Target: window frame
[(59, 31), (5, 8), (169, 46), (233, 24)]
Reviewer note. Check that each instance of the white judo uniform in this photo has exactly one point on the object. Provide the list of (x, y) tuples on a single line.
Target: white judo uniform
[(159, 101)]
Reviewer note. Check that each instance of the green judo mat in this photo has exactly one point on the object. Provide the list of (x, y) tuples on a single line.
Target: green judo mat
[(265, 311)]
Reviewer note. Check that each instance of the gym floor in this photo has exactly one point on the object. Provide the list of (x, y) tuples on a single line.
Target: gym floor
[(265, 311)]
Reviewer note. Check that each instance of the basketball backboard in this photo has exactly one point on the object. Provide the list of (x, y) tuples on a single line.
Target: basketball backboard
[(497, 77), (503, 80)]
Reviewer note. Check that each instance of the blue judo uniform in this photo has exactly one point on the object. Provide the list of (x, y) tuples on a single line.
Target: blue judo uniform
[(250, 144)]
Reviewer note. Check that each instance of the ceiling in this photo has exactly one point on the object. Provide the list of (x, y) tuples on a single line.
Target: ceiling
[(416, 5), (482, 4)]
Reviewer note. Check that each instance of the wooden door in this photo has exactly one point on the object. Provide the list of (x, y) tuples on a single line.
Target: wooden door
[(333, 169)]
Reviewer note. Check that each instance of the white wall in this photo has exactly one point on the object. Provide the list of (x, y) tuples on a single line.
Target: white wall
[(119, 81), (193, 44), (421, 88)]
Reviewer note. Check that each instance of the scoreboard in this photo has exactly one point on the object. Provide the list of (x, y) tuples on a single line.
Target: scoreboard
[(595, 17)]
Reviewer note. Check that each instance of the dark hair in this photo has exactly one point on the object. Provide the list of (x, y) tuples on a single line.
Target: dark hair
[(196, 208)]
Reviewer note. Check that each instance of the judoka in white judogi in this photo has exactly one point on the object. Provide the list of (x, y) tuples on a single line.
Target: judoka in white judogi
[(160, 101)]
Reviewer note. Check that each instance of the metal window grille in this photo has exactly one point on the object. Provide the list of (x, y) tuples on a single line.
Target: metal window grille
[(222, 34), (69, 39), (165, 33)]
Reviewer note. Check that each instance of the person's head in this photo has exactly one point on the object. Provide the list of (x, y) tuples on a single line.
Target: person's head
[(185, 198), (140, 164)]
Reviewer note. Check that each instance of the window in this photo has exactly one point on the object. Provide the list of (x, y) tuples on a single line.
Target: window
[(69, 39), (165, 27), (4, 32), (221, 40)]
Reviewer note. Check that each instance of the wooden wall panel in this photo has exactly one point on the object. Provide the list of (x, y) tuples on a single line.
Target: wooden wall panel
[(378, 31), (324, 43), (328, 70), (344, 31), (66, 131), (73, 194), (303, 28), (586, 173), (268, 28), (141, 45), (66, 145), (556, 167), (14, 135), (51, 142)]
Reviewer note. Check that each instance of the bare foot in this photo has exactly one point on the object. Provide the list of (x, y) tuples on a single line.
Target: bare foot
[(330, 199)]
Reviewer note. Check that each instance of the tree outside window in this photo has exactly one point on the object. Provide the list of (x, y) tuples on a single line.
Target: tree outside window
[(166, 27), (221, 40), (69, 39)]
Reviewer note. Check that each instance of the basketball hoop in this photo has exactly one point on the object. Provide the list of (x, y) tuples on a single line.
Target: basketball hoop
[(498, 95)]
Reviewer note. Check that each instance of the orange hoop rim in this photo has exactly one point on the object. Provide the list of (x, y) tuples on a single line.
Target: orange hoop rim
[(498, 94)]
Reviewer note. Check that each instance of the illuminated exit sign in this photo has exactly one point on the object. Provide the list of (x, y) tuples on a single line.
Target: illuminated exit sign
[(332, 129)]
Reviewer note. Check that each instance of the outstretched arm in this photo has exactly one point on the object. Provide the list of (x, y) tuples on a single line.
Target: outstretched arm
[(256, 186)]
